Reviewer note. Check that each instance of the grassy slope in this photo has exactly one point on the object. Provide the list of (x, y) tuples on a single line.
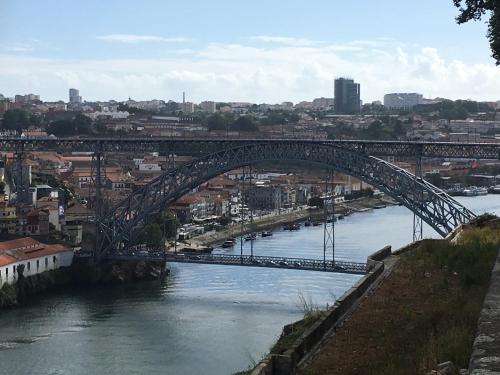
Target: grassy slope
[(425, 313)]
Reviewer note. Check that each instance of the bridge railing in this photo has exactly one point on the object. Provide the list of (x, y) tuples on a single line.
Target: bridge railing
[(246, 260)]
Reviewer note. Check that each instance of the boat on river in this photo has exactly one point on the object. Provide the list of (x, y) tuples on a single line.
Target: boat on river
[(230, 242), (267, 233), (494, 189), (250, 237), (474, 191), (291, 226)]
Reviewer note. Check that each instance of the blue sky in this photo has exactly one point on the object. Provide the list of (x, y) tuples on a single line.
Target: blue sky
[(249, 51)]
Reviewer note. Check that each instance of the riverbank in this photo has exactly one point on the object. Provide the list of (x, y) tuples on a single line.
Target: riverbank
[(423, 313), (270, 222), (82, 272)]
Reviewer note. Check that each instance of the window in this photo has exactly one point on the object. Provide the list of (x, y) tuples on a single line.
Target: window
[(29, 266), (14, 270), (37, 264), (54, 259), (6, 271), (46, 262)]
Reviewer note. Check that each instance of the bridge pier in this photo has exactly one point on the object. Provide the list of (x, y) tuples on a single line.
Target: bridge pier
[(18, 176), (417, 220), (329, 218)]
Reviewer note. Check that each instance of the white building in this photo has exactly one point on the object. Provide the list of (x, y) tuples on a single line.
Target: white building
[(34, 256), (187, 107), (323, 103), (149, 167), (116, 115), (207, 106), (402, 100)]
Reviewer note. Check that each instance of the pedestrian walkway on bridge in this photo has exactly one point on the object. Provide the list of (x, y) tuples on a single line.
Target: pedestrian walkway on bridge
[(247, 261)]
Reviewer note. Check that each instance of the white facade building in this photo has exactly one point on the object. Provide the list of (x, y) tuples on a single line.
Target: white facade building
[(149, 167), (207, 106), (34, 256), (402, 100)]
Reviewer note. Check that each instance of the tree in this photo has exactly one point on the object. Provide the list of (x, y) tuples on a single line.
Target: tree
[(78, 125), (217, 122), (244, 124), (61, 128), (82, 124), (316, 201), (475, 10), (374, 130), (153, 236), (15, 119), (168, 223)]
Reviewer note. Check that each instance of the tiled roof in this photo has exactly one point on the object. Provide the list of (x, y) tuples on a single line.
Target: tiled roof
[(26, 242), (6, 259), (27, 248)]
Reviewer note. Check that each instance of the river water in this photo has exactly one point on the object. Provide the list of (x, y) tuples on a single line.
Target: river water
[(204, 319)]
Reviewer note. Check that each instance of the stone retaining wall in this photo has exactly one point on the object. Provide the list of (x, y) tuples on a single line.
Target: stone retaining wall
[(485, 358), (285, 364)]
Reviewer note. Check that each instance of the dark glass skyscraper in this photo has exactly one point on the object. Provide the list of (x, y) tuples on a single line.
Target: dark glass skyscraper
[(347, 96)]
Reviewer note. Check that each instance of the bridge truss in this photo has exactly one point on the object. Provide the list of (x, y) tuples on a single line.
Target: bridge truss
[(117, 228)]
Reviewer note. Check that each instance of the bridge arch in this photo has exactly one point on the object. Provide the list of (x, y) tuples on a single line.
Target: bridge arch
[(434, 206)]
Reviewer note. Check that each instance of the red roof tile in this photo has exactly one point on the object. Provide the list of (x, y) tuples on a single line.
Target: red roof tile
[(6, 259)]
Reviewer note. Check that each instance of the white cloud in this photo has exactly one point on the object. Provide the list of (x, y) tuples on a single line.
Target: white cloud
[(133, 38), (18, 47), (243, 72), (288, 41)]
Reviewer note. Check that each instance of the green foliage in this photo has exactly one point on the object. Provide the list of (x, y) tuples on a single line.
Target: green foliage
[(355, 194), (79, 125), (382, 128), (475, 10), (168, 223), (15, 119), (316, 201), (452, 110), (134, 110), (152, 235), (244, 124), (219, 121), (224, 220)]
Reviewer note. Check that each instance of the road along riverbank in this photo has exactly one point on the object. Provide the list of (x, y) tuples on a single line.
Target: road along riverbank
[(270, 222)]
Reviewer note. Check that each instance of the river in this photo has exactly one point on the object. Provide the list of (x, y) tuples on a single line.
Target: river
[(204, 319)]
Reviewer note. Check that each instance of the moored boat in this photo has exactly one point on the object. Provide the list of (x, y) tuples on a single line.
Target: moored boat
[(229, 243)]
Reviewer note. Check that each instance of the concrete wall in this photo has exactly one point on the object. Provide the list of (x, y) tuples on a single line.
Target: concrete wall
[(285, 364), (9, 275), (485, 358)]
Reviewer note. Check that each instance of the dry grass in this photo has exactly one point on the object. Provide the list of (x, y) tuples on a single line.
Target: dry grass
[(425, 313)]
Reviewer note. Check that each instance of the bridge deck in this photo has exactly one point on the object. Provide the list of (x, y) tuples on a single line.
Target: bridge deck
[(250, 261)]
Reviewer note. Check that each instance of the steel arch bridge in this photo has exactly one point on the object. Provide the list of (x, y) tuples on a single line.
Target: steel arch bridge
[(116, 228)]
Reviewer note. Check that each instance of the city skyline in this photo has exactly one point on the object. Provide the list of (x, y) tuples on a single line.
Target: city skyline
[(276, 54)]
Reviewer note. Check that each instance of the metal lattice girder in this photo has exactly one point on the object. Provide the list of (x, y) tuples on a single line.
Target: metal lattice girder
[(438, 209), (204, 146), (249, 261)]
